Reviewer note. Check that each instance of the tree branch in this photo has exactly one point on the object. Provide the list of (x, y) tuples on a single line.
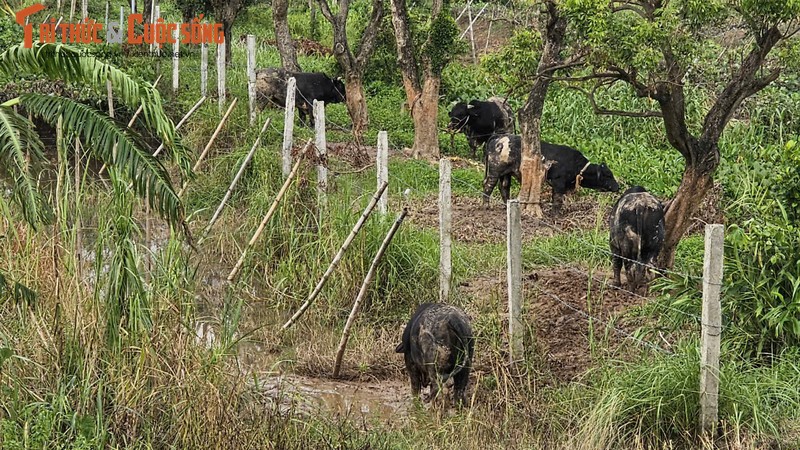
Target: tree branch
[(742, 85), (325, 8), (368, 38), (613, 112)]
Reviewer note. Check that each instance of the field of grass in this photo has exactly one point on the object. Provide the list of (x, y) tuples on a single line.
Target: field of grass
[(137, 341)]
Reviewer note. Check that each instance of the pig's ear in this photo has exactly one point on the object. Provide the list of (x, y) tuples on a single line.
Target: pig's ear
[(399, 348)]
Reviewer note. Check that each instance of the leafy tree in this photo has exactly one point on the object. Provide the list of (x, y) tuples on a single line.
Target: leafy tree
[(353, 64), (224, 11), (422, 58), (653, 46)]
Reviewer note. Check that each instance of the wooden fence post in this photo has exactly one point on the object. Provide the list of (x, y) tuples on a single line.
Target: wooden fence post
[(382, 164), (322, 152), (363, 291), (288, 126), (156, 46), (251, 76), (221, 74), (175, 60), (711, 328), (514, 249), (203, 69), (445, 226)]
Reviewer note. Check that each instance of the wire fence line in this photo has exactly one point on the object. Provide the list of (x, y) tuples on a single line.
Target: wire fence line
[(407, 185)]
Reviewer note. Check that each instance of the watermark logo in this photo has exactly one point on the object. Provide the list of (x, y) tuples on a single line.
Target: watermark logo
[(89, 31)]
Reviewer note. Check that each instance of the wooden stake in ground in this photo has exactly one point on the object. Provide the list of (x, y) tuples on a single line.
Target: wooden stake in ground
[(322, 153), (175, 61), (288, 126), (514, 249), (711, 329), (445, 228), (251, 76), (382, 164), (233, 183), (362, 293), (203, 69), (338, 257), (221, 74), (265, 220)]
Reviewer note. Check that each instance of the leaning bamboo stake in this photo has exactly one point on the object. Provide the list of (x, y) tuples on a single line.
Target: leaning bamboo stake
[(338, 256), (184, 119), (233, 183), (130, 122), (214, 136), (367, 280), (265, 220), (181, 122), (210, 143)]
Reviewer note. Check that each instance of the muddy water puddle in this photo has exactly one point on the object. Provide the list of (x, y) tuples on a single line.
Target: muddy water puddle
[(383, 401)]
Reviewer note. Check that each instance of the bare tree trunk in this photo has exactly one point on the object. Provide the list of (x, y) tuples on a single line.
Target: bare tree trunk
[(531, 167), (693, 188), (357, 104), (530, 116), (283, 36), (353, 65), (227, 28), (424, 112)]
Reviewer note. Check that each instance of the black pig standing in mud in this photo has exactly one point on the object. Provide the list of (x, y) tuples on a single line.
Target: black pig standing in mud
[(438, 345), (566, 167), (636, 235)]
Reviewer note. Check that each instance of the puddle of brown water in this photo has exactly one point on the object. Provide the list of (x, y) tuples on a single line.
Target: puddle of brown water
[(384, 401)]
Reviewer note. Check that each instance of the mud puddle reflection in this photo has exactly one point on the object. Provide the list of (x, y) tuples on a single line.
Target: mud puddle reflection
[(383, 401)]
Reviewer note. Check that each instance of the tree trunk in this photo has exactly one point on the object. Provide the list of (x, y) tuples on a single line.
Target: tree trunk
[(356, 104), (695, 183), (283, 36), (424, 112), (227, 28), (532, 169)]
